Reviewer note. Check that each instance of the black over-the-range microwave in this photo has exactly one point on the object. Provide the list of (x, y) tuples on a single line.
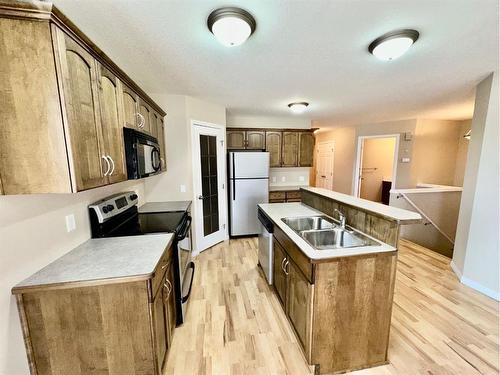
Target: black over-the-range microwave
[(142, 153)]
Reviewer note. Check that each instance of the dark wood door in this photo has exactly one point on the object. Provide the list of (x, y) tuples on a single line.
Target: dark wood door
[(273, 146), (81, 101), (161, 141), (160, 327), (209, 184), (111, 123), (235, 139), (306, 149), (290, 149), (255, 140), (145, 117), (130, 107), (299, 301), (279, 276)]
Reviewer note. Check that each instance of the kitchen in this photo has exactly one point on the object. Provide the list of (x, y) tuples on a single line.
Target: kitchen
[(102, 222)]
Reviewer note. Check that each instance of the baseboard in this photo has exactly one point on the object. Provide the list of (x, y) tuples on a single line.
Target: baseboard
[(456, 270), (473, 284), (480, 288)]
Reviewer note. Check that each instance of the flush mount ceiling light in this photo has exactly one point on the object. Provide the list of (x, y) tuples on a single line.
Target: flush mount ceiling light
[(394, 44), (231, 26), (298, 107)]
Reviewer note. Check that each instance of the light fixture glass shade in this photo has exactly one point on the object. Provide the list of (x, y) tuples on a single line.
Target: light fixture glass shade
[(231, 26), (392, 45), (298, 107)]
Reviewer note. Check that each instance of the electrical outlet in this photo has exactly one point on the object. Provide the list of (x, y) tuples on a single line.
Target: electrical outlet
[(405, 160), (273, 179), (183, 188), (70, 223), (283, 179), (302, 178)]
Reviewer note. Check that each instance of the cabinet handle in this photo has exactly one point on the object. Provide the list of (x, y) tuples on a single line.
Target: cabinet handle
[(282, 262), (142, 120), (112, 165), (168, 287), (109, 165), (284, 269)]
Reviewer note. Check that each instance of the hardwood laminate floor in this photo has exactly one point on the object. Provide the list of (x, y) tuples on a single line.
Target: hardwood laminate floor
[(235, 324)]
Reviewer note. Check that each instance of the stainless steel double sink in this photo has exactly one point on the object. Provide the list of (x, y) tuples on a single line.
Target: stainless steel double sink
[(323, 233)]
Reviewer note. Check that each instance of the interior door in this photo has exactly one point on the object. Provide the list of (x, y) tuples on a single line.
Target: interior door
[(111, 123), (324, 165), (209, 186), (79, 79)]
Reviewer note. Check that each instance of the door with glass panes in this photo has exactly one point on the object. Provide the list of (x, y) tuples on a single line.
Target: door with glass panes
[(209, 185)]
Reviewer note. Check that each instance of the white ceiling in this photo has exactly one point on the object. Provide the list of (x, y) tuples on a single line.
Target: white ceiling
[(313, 50)]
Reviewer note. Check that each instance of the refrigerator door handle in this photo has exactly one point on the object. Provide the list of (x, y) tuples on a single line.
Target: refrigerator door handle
[(234, 179)]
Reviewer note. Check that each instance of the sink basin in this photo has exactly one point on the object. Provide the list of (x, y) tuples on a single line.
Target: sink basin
[(336, 239), (300, 224)]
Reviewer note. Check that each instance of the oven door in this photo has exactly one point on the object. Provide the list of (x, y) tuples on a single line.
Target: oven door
[(186, 268), (148, 157)]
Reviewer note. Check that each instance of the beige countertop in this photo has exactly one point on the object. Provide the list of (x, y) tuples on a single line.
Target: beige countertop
[(101, 259), (392, 213), (286, 187), (278, 211)]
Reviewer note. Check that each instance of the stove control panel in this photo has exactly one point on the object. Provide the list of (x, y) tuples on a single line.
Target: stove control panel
[(113, 205)]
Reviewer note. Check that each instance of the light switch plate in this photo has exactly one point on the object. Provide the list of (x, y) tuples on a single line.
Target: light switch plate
[(70, 223), (183, 188), (273, 179), (283, 179), (302, 178)]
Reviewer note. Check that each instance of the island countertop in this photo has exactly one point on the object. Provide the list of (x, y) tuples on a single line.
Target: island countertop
[(278, 211), (391, 213), (101, 259)]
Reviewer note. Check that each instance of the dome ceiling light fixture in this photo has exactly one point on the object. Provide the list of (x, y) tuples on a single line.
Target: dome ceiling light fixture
[(231, 26), (393, 44), (298, 107)]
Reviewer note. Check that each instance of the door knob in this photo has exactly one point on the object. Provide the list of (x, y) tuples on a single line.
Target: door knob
[(201, 197)]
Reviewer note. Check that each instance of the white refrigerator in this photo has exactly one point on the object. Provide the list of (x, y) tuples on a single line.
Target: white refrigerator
[(248, 187)]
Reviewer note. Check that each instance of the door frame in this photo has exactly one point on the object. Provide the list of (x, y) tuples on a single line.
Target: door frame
[(221, 178), (324, 143), (359, 160)]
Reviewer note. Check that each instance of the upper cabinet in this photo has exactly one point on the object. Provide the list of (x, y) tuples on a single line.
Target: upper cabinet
[(286, 147), (64, 106)]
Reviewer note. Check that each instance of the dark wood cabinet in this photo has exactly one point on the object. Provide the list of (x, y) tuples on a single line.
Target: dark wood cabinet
[(306, 149), (284, 196), (273, 146), (279, 277), (290, 149), (246, 140), (160, 328), (169, 303), (299, 302), (235, 139)]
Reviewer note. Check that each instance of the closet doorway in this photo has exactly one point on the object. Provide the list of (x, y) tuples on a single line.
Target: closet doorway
[(376, 166)]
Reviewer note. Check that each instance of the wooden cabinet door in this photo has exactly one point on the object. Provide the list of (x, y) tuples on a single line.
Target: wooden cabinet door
[(290, 149), (306, 149), (160, 329), (130, 107), (299, 302), (111, 124), (81, 103), (279, 277), (273, 146), (255, 140), (235, 139), (169, 302), (145, 117), (160, 131)]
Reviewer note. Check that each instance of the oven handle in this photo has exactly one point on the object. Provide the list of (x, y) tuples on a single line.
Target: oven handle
[(185, 230), (186, 297), (153, 152)]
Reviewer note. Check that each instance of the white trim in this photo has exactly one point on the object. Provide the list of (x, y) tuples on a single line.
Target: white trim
[(474, 284), (359, 159), (222, 181)]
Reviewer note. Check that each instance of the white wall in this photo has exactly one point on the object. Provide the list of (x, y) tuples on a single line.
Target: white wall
[(289, 176), (476, 255), (33, 234)]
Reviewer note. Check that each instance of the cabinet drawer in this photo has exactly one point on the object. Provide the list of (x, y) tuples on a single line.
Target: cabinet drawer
[(160, 270), (293, 194), (277, 195)]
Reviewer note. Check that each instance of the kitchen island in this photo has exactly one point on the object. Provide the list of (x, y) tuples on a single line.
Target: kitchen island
[(339, 301)]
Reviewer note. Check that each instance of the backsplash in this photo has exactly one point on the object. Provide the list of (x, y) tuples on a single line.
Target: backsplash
[(289, 176)]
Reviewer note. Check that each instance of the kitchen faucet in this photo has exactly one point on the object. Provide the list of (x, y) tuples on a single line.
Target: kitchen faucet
[(341, 218)]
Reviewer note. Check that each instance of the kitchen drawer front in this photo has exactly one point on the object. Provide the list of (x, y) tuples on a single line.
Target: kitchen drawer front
[(277, 195), (161, 268), (293, 195), (302, 262)]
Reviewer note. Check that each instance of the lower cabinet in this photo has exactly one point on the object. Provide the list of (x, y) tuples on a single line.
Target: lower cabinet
[(284, 196), (109, 326), (295, 294)]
